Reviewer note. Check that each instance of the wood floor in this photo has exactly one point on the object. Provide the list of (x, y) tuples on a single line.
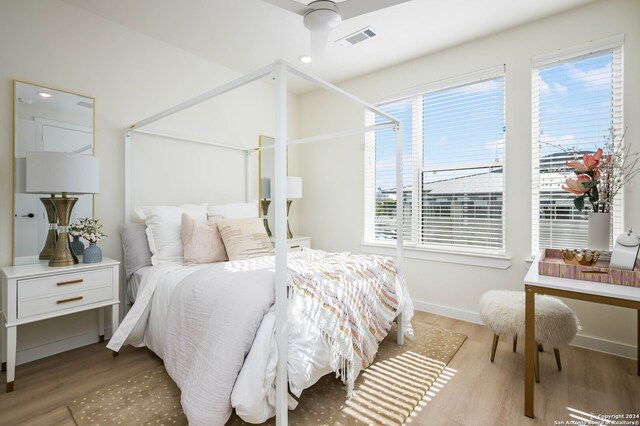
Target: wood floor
[(473, 391)]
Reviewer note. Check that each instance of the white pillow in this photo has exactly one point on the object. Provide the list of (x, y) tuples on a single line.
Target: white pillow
[(235, 211), (163, 229)]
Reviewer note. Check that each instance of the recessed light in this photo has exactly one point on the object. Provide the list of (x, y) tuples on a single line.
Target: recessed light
[(305, 59), (44, 94)]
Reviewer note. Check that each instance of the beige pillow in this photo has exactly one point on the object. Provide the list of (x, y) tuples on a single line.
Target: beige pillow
[(201, 241), (244, 238)]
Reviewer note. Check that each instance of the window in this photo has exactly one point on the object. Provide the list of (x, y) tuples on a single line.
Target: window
[(453, 136), (577, 99)]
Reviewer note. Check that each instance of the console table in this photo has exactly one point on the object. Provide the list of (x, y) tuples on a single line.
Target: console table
[(534, 283)]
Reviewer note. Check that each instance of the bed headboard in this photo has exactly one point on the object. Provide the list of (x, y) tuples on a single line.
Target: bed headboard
[(162, 169)]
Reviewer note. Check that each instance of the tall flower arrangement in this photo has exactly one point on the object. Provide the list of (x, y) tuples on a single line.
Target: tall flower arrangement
[(601, 175)]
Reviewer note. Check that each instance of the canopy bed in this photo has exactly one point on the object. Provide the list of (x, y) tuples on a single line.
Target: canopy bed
[(283, 263)]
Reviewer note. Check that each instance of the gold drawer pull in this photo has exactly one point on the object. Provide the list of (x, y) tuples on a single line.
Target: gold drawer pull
[(73, 299), (595, 272), (70, 282), (298, 246)]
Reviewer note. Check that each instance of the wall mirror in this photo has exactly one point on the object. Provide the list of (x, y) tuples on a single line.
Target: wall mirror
[(45, 119)]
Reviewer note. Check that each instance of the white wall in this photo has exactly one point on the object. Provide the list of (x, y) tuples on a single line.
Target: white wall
[(332, 213), (131, 77)]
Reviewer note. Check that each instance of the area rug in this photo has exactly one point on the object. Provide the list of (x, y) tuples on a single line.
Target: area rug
[(386, 393)]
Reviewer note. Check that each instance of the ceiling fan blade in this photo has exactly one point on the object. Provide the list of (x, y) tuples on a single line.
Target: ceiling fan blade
[(352, 8), (290, 5), (318, 44)]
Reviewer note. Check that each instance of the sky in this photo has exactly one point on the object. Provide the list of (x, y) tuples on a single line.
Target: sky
[(465, 126)]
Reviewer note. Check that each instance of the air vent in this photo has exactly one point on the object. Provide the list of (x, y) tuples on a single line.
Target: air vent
[(357, 37)]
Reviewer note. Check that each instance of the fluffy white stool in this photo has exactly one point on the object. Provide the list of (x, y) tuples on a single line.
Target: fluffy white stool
[(503, 312)]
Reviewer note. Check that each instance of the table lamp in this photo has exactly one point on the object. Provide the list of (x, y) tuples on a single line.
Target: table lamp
[(61, 173), (294, 191)]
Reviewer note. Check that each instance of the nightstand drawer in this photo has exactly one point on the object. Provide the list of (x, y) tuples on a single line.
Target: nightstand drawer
[(59, 302), (297, 245), (58, 285)]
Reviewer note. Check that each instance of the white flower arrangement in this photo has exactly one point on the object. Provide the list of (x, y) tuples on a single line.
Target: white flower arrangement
[(89, 229)]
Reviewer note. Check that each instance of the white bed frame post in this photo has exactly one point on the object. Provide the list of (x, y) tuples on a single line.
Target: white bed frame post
[(127, 178), (399, 220), (280, 201)]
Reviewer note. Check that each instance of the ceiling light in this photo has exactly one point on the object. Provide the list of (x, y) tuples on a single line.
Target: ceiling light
[(305, 59), (44, 94)]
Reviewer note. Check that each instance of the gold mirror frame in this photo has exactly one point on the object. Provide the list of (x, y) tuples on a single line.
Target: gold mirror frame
[(15, 143)]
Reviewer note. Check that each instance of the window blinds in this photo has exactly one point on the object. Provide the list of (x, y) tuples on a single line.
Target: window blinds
[(453, 142), (575, 101), (463, 172), (381, 225)]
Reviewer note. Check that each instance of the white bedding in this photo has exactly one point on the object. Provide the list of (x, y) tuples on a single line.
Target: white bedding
[(253, 393), (133, 284)]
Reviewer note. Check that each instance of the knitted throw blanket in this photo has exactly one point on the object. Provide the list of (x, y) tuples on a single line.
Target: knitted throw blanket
[(352, 298)]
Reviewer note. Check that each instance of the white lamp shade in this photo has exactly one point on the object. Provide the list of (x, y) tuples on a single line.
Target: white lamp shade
[(55, 172), (294, 187), (266, 188)]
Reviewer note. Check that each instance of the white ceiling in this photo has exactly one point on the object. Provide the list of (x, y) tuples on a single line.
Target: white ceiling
[(245, 35)]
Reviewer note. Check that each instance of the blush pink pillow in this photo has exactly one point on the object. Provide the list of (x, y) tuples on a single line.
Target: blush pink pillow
[(201, 241)]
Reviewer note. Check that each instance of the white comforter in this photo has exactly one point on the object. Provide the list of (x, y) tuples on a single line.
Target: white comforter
[(194, 326)]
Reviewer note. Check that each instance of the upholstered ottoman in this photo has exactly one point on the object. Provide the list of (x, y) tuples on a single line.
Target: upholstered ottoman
[(503, 312)]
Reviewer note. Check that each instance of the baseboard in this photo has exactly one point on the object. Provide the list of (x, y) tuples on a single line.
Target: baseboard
[(607, 346), (42, 351), (446, 311), (582, 341)]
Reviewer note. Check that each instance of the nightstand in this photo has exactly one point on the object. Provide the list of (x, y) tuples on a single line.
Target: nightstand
[(38, 292), (296, 243)]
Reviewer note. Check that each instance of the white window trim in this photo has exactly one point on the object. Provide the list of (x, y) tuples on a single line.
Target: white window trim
[(466, 256), (565, 54), (577, 51), (457, 257), (447, 83)]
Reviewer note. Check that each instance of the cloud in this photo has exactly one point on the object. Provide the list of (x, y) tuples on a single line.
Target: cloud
[(559, 88), (544, 88), (594, 79)]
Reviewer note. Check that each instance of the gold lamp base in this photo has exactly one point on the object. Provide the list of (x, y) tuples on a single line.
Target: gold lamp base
[(63, 254), (289, 234), (52, 234), (264, 206)]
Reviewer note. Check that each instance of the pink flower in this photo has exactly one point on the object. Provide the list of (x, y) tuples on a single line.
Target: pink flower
[(589, 162), (576, 185), (592, 161)]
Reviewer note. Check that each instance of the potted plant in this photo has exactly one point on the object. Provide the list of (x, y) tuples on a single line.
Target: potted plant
[(599, 178), (92, 232)]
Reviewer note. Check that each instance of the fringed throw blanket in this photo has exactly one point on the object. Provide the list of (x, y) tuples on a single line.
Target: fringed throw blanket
[(353, 299)]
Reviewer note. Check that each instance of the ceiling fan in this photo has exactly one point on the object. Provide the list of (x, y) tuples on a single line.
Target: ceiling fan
[(322, 16)]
